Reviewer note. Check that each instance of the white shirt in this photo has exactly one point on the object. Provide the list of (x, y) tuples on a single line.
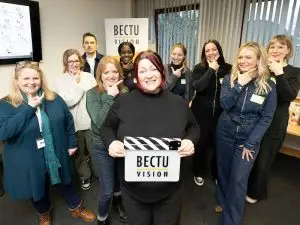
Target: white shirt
[(91, 62)]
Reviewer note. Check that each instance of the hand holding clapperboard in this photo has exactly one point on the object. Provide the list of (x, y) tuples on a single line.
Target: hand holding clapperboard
[(152, 159)]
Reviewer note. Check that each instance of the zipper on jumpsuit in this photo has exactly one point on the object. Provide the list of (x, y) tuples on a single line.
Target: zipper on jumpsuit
[(214, 105), (237, 128)]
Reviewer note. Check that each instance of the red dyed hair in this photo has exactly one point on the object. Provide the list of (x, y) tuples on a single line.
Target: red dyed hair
[(155, 59)]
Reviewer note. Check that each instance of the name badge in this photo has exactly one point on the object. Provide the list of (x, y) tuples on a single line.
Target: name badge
[(40, 143), (221, 80), (257, 99), (183, 81)]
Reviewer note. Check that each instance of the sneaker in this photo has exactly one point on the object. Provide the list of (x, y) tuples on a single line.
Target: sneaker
[(250, 200), (104, 222), (199, 181), (85, 184)]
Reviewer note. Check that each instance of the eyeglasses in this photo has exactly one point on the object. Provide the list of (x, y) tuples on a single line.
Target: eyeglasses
[(22, 64), (72, 62)]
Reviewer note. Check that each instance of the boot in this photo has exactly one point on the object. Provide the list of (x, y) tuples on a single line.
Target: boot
[(83, 213), (45, 218), (119, 208), (104, 222)]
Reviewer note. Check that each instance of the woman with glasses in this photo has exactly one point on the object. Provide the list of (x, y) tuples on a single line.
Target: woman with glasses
[(72, 87), (38, 133)]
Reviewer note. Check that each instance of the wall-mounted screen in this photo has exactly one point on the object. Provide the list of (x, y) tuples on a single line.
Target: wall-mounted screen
[(20, 36)]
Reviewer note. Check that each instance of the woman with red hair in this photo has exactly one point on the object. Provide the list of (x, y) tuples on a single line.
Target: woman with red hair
[(148, 111)]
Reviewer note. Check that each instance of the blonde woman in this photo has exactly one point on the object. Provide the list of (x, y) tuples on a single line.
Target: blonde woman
[(38, 133), (178, 75), (72, 87), (280, 49), (109, 77), (248, 97)]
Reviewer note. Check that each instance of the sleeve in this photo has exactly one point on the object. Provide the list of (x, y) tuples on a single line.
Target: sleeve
[(170, 81), (288, 86), (98, 109), (71, 93), (229, 96), (189, 91), (192, 129), (12, 125), (69, 124), (108, 131), (264, 122), (201, 77)]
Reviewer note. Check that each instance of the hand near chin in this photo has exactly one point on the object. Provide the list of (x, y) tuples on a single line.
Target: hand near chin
[(113, 90), (276, 67), (177, 72), (214, 64), (128, 66), (35, 101), (245, 78)]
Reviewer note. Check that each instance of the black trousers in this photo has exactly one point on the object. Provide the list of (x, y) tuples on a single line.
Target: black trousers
[(207, 141), (269, 148), (1, 177), (165, 212)]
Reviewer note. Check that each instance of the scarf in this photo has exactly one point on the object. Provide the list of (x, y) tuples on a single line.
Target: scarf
[(51, 160)]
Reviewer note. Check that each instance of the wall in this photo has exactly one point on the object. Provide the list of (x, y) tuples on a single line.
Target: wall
[(62, 24)]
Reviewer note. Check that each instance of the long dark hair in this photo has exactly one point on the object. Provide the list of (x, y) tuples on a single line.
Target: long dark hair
[(221, 60)]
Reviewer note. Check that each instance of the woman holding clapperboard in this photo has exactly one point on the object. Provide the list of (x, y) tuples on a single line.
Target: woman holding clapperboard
[(109, 78), (148, 112)]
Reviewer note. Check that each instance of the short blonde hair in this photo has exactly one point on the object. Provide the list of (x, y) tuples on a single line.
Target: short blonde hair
[(102, 67), (15, 96), (262, 86), (67, 54), (284, 40)]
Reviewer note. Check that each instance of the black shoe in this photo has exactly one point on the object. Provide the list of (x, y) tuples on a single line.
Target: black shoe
[(85, 184), (119, 208), (1, 192), (104, 222)]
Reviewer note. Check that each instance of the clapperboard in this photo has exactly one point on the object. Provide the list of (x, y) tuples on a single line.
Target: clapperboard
[(152, 159)]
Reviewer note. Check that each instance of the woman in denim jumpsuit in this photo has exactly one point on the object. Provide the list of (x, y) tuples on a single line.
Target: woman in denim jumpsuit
[(248, 97)]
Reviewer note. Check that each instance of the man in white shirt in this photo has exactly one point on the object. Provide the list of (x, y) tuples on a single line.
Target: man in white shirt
[(91, 56)]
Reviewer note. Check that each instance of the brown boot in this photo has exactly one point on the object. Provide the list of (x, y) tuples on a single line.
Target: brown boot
[(83, 213), (45, 218)]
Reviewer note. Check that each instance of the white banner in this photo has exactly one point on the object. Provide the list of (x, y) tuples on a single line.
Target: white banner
[(134, 30)]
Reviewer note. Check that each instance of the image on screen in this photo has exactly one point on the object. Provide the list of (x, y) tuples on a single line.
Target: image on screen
[(15, 31)]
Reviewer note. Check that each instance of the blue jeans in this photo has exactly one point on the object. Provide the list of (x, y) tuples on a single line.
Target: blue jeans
[(108, 176), (66, 191), (233, 173)]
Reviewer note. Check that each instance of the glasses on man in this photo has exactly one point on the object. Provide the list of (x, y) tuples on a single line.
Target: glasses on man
[(22, 64), (73, 61)]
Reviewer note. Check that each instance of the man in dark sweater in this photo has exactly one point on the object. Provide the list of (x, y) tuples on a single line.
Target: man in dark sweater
[(91, 56), (150, 111)]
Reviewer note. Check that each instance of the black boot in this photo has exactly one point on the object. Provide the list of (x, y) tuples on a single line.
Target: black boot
[(118, 206)]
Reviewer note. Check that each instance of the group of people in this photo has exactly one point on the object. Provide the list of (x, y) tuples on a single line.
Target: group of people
[(239, 111)]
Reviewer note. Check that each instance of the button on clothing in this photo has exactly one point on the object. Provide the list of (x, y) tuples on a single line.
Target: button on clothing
[(241, 125)]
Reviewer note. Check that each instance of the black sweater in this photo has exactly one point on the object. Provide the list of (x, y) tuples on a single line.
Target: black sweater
[(287, 87), (149, 115), (207, 84)]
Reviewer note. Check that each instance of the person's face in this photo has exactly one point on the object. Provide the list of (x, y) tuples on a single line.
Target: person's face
[(73, 64), (110, 75), (247, 60), (126, 54), (29, 81), (149, 76), (177, 56), (89, 45), (278, 51), (211, 52)]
